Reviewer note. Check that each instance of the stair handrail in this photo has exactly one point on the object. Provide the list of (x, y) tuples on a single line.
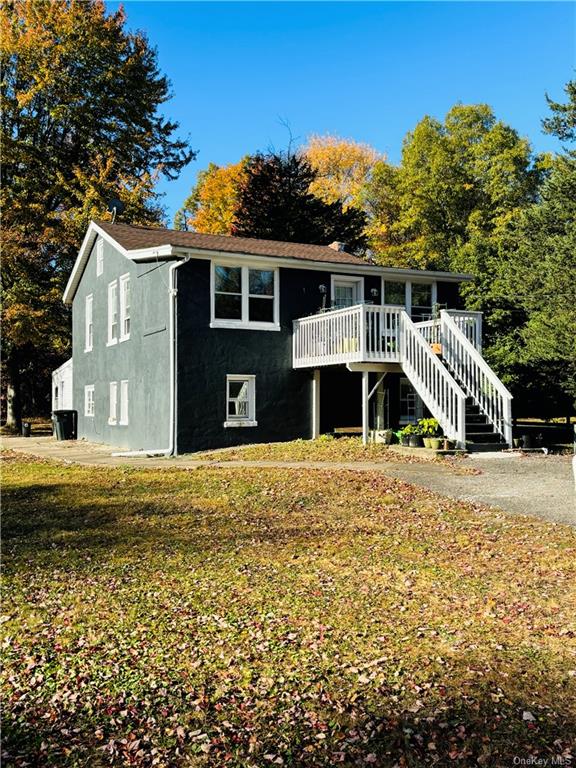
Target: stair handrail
[(476, 377), (437, 388)]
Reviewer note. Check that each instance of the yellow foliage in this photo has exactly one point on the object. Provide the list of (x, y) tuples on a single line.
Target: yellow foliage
[(216, 197), (343, 167)]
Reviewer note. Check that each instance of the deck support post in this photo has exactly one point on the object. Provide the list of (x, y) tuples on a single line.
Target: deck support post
[(316, 404), (365, 399)]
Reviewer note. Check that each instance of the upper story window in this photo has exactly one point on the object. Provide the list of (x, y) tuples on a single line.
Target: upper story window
[(395, 293), (113, 312), (421, 301), (99, 256), (124, 307), (244, 297), (89, 325), (347, 291)]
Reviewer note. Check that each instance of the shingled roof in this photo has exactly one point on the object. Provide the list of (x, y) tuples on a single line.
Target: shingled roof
[(132, 237)]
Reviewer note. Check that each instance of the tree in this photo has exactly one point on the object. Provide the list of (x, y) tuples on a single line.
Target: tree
[(379, 199), (212, 203), (457, 181), (342, 166), (542, 272), (275, 203), (79, 125)]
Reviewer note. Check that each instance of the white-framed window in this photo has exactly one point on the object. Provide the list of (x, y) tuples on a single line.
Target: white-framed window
[(99, 256), (124, 307), (89, 326), (240, 401), (422, 300), (89, 400), (113, 403), (113, 312), (346, 291), (124, 402), (417, 297), (244, 297), (394, 293)]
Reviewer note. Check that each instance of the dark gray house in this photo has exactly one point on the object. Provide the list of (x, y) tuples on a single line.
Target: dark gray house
[(185, 341)]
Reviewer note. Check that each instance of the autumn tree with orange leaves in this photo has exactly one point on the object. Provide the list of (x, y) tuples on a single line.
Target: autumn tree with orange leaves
[(79, 126)]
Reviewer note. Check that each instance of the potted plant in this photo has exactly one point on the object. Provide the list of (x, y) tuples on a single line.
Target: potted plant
[(430, 431), (414, 436)]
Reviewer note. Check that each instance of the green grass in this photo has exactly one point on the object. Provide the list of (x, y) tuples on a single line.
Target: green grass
[(249, 617), (328, 448)]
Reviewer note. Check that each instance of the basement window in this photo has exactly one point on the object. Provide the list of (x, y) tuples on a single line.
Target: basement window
[(240, 401)]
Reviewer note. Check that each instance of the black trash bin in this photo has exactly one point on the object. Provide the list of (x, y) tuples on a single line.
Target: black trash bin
[(26, 429), (64, 423)]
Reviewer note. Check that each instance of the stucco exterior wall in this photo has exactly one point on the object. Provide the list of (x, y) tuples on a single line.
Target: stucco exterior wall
[(143, 359)]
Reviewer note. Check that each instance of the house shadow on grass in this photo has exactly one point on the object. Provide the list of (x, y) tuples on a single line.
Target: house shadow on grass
[(469, 731)]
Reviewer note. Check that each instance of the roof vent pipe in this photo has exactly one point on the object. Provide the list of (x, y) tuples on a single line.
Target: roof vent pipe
[(337, 246)]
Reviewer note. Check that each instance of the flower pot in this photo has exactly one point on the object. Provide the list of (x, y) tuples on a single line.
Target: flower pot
[(415, 441), (435, 443), (427, 442), (405, 440), (517, 442)]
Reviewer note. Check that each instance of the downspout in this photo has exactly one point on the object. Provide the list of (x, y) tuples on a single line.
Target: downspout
[(172, 293)]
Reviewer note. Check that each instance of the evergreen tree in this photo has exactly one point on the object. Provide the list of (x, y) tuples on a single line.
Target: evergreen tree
[(275, 203)]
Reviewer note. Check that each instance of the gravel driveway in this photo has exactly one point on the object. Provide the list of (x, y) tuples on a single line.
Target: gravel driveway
[(533, 484)]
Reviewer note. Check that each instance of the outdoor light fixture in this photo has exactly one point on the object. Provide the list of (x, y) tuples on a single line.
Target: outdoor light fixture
[(374, 292), (322, 288)]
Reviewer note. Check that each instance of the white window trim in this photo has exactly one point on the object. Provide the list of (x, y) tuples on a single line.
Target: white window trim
[(89, 338), (244, 323), (124, 401), (88, 389), (113, 415), (408, 293), (358, 282), (122, 280), (251, 420), (99, 256), (112, 339)]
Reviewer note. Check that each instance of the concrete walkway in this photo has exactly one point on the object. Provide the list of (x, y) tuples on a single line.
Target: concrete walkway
[(537, 485)]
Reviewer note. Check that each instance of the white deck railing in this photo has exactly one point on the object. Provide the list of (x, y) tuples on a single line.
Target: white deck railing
[(475, 375), (354, 334), (470, 324), (441, 394)]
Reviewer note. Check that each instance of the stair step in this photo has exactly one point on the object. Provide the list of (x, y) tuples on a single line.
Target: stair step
[(483, 437), (474, 427), (486, 447), (476, 418)]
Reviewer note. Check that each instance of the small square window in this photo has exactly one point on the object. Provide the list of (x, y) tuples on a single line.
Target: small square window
[(240, 401)]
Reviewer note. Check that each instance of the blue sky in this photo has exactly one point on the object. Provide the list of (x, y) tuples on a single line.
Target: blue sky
[(368, 71)]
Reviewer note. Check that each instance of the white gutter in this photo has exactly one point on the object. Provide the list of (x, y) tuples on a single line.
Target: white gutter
[(171, 450)]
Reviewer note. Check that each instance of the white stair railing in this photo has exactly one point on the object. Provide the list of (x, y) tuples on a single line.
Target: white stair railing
[(476, 377), (470, 323), (441, 394)]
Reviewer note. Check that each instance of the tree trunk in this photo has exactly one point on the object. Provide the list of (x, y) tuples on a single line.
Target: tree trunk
[(13, 399)]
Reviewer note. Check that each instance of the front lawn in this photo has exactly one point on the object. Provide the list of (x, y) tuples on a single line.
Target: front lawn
[(249, 617), (328, 448)]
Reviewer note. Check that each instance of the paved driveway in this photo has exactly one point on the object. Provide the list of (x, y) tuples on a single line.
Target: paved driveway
[(532, 484)]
